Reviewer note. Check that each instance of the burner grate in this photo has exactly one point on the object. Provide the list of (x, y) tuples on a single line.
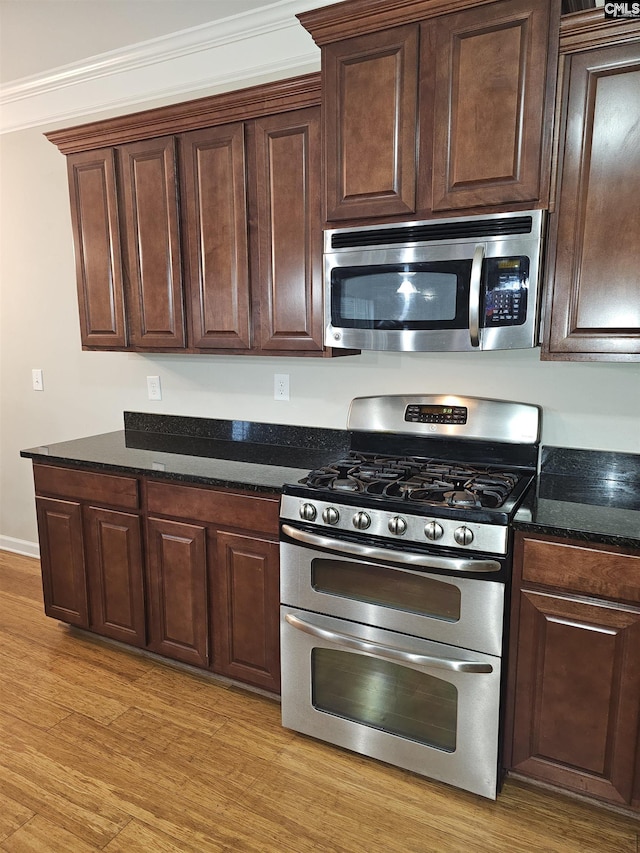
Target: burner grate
[(416, 480)]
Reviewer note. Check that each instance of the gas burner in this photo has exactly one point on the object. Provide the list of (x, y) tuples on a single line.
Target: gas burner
[(346, 484), (461, 497)]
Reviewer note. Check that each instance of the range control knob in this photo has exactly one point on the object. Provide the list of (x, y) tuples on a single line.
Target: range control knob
[(397, 525), (308, 512), (330, 515), (433, 530), (361, 520), (463, 535)]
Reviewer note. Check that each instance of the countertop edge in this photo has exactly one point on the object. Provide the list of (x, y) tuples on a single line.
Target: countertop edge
[(194, 479), (579, 535)]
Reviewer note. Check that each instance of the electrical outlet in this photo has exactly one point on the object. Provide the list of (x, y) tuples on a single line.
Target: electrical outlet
[(280, 386), (154, 390), (37, 380)]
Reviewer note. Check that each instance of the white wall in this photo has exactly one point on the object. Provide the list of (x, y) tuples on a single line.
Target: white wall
[(585, 405)]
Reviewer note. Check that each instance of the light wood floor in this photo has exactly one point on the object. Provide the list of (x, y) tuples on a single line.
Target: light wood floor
[(102, 749)]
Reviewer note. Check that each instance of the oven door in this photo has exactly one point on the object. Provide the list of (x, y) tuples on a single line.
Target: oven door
[(427, 707), (397, 594)]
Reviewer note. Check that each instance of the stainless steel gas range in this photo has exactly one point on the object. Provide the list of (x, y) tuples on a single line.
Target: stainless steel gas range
[(395, 572)]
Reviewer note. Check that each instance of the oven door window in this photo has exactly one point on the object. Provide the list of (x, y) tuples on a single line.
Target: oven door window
[(394, 588), (416, 296), (386, 696)]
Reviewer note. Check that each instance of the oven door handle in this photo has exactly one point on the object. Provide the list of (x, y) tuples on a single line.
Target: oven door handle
[(474, 294), (388, 652), (451, 564)]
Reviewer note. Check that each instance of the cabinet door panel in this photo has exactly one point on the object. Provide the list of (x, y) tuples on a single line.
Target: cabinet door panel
[(62, 560), (577, 704), (178, 590), (115, 575), (96, 233), (595, 311), (489, 116), (245, 586), (370, 96), (152, 243), (214, 190), (288, 285)]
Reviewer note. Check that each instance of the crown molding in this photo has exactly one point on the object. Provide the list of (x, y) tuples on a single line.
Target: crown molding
[(222, 55)]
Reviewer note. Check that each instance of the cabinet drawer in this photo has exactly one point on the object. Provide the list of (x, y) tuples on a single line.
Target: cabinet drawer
[(593, 570), (213, 506), (103, 489)]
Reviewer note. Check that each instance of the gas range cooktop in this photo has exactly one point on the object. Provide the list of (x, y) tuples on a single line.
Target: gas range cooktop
[(443, 471), (416, 480)]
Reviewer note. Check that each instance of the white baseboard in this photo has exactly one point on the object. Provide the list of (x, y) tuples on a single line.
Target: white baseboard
[(19, 546)]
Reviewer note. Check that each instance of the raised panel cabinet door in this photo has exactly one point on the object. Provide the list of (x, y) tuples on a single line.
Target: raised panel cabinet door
[(288, 284), (96, 235), (577, 694), (62, 560), (370, 86), (245, 604), (491, 122), (177, 573), (215, 213), (152, 243), (594, 280), (115, 574)]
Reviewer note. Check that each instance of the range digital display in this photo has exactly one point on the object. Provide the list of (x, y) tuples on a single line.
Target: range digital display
[(436, 414)]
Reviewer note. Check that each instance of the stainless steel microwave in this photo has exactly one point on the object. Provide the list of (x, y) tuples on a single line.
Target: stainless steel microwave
[(447, 285)]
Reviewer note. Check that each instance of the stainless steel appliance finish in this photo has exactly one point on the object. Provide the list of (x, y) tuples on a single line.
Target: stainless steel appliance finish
[(444, 285), (395, 569), (404, 700), (487, 420), (457, 610)]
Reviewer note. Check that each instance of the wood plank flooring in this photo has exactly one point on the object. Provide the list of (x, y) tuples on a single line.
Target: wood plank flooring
[(103, 749)]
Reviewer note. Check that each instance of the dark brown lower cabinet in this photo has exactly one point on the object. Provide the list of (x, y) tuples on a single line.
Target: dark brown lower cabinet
[(91, 556), (115, 574), (192, 573), (576, 677), (177, 565), (214, 580), (64, 582), (246, 609)]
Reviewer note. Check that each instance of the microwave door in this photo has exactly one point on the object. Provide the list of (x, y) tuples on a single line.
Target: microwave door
[(400, 304)]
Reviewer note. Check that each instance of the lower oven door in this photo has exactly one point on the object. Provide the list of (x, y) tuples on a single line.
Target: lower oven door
[(424, 706)]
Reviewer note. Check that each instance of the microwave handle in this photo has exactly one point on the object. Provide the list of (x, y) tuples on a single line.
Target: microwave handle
[(474, 294)]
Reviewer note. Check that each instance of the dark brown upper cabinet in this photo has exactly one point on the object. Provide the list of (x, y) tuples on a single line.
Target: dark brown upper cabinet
[(286, 232), (214, 194), (198, 227), (96, 228), (489, 65), (370, 86), (450, 112), (593, 283), (151, 242)]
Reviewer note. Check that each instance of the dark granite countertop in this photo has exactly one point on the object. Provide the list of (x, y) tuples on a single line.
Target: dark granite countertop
[(234, 454), (582, 494), (592, 496)]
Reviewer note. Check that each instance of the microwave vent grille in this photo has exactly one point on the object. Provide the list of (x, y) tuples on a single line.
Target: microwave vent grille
[(481, 228)]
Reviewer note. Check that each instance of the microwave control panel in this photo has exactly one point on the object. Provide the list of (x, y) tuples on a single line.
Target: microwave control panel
[(505, 294)]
